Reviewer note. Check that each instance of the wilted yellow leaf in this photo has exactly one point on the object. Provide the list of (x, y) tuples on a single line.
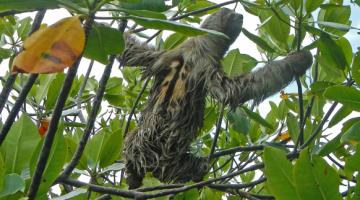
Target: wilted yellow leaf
[(52, 49)]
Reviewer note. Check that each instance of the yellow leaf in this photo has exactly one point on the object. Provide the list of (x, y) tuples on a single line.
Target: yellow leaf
[(51, 49)]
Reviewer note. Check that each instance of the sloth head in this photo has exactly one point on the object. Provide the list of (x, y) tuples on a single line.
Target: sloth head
[(225, 21)]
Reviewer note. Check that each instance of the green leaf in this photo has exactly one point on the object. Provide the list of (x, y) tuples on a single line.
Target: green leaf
[(95, 146), (343, 27), (189, 194), (210, 194), (103, 41), (336, 14), (332, 52), (352, 134), (352, 164), (279, 174), (12, 184), (24, 27), (330, 146), (355, 68), (258, 41), (72, 145), (257, 118), (24, 5), (152, 5), (5, 53), (54, 164), (312, 5), (53, 94), (320, 86), (348, 96), (174, 40), (293, 126), (174, 26), (315, 179), (112, 149), (144, 13), (275, 28), (238, 121), (19, 144), (339, 115), (45, 82), (2, 171), (235, 64)]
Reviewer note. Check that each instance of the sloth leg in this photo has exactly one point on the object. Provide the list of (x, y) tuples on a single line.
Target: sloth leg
[(134, 178), (182, 168)]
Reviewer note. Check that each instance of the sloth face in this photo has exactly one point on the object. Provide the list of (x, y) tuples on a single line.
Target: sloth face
[(226, 21)]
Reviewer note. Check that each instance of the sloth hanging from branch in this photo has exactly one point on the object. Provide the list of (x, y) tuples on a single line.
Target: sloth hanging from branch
[(183, 77)]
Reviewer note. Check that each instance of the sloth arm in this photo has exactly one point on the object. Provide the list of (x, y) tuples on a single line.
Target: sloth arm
[(137, 53), (259, 84)]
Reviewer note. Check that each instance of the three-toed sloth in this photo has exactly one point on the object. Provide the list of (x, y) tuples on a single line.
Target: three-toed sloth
[(183, 77)]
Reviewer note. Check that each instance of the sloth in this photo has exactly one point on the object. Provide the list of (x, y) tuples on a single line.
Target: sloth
[(183, 77)]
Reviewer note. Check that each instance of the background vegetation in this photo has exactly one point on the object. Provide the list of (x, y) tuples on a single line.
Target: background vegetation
[(290, 152)]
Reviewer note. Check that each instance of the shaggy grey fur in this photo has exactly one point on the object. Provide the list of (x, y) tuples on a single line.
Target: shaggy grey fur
[(175, 108)]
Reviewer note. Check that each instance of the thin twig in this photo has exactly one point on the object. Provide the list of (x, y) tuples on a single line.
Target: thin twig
[(237, 149), (320, 126), (92, 117), (132, 112), (50, 135), (81, 90), (217, 130), (15, 110)]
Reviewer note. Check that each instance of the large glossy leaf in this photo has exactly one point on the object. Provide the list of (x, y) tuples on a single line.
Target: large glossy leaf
[(12, 184), (2, 171), (352, 164), (348, 96), (20, 144), (24, 27), (112, 149), (53, 93), (258, 41), (23, 5), (54, 164), (339, 115), (257, 118), (315, 179), (274, 27), (185, 29), (144, 13), (355, 68), (279, 174), (239, 121), (332, 52), (352, 134), (174, 40), (210, 194), (189, 194), (45, 82), (102, 42), (330, 146), (334, 13), (311, 5), (95, 146), (5, 53), (72, 145), (152, 5), (235, 64), (293, 126)]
